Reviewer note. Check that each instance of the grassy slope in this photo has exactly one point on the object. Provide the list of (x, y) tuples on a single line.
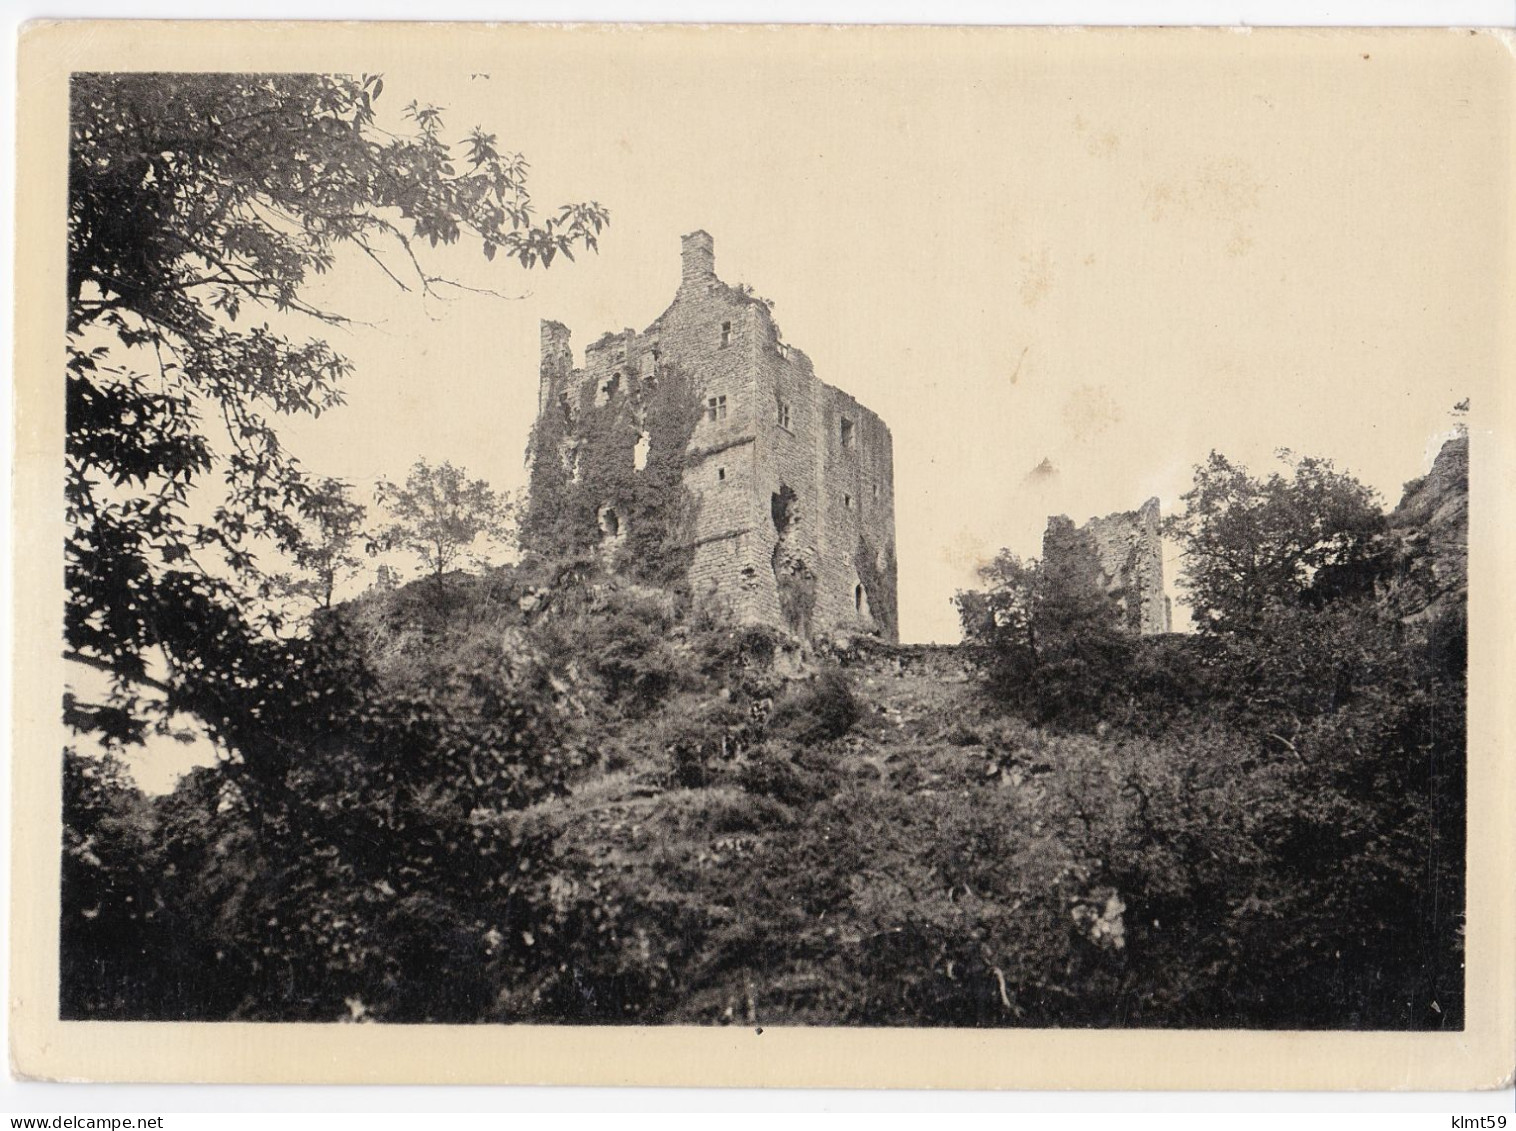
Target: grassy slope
[(851, 880), (749, 843)]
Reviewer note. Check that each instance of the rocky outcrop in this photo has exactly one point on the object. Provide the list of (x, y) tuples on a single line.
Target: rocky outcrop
[(1429, 533)]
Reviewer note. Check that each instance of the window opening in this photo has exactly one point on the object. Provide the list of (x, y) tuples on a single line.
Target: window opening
[(715, 408), (847, 432), (609, 389), (726, 334), (782, 509)]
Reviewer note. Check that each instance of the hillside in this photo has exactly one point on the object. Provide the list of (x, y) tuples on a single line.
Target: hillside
[(551, 794), (782, 863)]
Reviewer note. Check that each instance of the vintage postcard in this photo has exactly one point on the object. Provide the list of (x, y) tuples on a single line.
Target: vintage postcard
[(462, 637)]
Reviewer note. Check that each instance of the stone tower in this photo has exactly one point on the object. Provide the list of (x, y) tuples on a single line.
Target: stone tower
[(792, 480), (1128, 546)]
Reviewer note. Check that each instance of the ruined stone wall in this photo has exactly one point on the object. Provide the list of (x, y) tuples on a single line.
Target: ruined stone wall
[(793, 522), (712, 332), (1129, 548), (841, 521), (857, 554)]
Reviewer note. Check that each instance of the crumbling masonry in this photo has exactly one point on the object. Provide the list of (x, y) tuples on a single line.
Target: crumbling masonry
[(791, 480), (1129, 550)]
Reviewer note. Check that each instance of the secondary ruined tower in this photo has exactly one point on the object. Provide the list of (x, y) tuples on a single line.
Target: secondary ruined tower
[(1128, 549), (790, 480)]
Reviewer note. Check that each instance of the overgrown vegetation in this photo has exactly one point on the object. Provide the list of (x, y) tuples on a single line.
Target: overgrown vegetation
[(882, 602), (559, 792), (439, 512), (1329, 691), (199, 208), (1048, 635), (584, 466), (589, 804)]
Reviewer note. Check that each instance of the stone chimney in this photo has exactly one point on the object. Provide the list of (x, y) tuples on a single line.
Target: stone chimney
[(698, 258)]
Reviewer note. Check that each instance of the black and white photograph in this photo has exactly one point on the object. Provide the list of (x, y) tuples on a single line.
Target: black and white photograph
[(473, 609)]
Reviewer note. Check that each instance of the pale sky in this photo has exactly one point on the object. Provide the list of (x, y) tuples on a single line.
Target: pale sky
[(1111, 254), (1233, 241), (1108, 254)]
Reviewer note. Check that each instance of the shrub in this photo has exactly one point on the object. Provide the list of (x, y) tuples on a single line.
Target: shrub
[(770, 771), (818, 711), (699, 737), (1046, 634), (624, 637), (725, 647)]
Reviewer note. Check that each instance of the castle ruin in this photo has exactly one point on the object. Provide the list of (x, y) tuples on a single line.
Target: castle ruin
[(1128, 550), (786, 482)]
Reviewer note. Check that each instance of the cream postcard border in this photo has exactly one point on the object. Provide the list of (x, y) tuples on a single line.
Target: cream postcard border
[(43, 1047)]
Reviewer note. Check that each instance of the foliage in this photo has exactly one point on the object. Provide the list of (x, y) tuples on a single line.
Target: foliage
[(587, 804), (440, 512), (815, 712), (796, 584), (1278, 802), (327, 552), (1283, 864), (736, 649), (387, 847), (108, 910), (583, 461), (1047, 633), (883, 601), (617, 639), (699, 738), (1248, 542), (195, 200), (774, 770)]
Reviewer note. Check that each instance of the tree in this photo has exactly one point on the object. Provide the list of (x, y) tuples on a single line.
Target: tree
[(333, 525), (440, 512), (195, 199), (392, 847), (1249, 543), (1049, 634), (107, 914), (997, 620)]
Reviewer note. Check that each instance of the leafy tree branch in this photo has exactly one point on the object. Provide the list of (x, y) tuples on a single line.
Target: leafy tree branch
[(195, 199)]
